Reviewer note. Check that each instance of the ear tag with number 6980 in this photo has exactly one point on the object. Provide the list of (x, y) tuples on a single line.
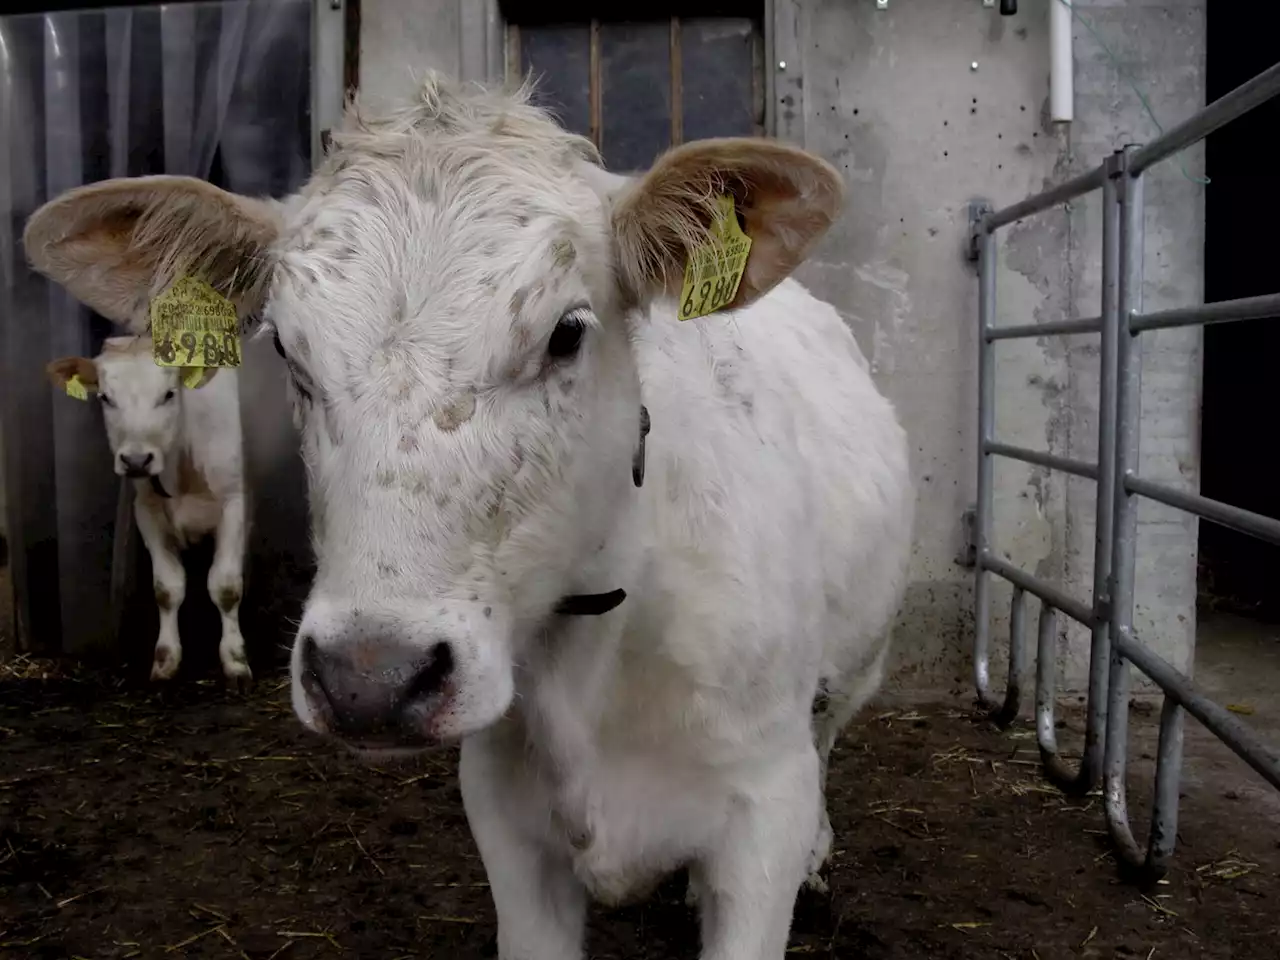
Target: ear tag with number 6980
[(714, 270), (192, 325)]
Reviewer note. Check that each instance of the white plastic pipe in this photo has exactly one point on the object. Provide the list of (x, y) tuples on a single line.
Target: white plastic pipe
[(1062, 93)]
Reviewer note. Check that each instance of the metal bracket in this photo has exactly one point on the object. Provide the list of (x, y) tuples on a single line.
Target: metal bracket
[(968, 555), (978, 211)]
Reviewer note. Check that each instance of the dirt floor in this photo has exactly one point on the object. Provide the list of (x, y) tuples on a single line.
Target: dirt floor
[(194, 824)]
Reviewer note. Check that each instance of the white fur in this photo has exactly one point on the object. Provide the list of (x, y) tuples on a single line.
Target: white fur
[(766, 550), (200, 427)]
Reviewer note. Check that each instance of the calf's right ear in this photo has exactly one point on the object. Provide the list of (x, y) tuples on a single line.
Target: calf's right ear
[(117, 244), (68, 369)]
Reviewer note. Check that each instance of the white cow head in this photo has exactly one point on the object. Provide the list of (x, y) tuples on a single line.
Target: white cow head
[(141, 402), (454, 293)]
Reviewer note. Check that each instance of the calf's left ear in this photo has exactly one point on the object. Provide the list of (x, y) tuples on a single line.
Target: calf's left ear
[(117, 244), (64, 371), (785, 198)]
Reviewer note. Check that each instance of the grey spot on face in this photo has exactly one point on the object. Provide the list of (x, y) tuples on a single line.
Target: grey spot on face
[(565, 385), (408, 441), (385, 569), (456, 412), (442, 500), (564, 253), (522, 219), (488, 612), (386, 478), (346, 252)]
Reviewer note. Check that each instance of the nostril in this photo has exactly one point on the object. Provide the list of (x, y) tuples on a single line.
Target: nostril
[(146, 461), (312, 672), (431, 678)]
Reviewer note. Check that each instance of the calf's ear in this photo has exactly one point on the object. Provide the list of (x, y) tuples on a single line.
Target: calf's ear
[(61, 372), (116, 244), (785, 198)]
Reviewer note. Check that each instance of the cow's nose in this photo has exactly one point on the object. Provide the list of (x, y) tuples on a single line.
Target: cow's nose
[(137, 464), (384, 690)]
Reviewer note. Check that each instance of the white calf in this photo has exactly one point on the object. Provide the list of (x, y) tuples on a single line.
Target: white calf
[(183, 450), (629, 635)]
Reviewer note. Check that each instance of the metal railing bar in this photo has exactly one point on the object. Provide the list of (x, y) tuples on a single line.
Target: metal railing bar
[(1224, 311), (1039, 458), (1164, 806), (1091, 760), (1054, 328), (986, 249), (1222, 111), (1056, 769), (1047, 592), (1216, 718), (1008, 711), (1043, 201), (1115, 799), (1125, 519), (1244, 521)]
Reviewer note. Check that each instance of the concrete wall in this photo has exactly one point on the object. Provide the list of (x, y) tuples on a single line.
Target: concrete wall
[(893, 99)]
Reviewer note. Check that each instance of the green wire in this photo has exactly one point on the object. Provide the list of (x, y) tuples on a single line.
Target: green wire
[(1115, 62)]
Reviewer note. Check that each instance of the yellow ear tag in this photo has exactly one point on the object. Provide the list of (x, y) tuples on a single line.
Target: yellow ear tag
[(714, 270), (191, 377), (76, 389), (192, 325)]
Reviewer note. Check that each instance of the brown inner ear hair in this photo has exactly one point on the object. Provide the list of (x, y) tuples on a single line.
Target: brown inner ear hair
[(61, 371)]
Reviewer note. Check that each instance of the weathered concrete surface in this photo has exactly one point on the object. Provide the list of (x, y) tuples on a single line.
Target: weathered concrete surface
[(892, 99)]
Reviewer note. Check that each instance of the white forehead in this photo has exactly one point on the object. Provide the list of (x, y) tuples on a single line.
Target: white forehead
[(127, 363), (452, 224)]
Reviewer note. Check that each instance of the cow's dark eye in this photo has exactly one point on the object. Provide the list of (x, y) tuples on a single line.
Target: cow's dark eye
[(106, 401), (567, 336), (169, 395)]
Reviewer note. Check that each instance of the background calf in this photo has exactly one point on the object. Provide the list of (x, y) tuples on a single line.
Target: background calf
[(183, 450)]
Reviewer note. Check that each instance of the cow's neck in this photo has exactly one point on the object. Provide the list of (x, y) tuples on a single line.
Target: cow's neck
[(598, 604)]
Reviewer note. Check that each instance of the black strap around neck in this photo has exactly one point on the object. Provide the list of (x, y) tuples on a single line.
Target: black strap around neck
[(598, 604)]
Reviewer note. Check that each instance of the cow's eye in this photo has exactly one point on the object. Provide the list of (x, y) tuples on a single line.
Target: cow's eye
[(567, 336), (169, 395), (106, 401)]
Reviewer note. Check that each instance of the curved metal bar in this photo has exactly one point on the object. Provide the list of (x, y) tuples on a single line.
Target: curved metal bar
[(1008, 711), (1115, 799), (1055, 768), (1164, 809)]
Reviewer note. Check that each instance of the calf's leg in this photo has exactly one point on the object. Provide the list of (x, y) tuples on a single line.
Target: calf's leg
[(169, 579), (844, 697), (226, 585), (541, 905), (747, 884)]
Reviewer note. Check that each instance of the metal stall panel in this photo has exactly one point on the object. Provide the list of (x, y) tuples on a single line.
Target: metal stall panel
[(1115, 647), (217, 90)]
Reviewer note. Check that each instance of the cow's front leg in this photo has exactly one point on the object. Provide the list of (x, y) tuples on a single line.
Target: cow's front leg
[(541, 905), (749, 881), (226, 585), (169, 578)]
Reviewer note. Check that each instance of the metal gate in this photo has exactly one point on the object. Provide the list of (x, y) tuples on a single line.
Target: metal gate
[(1109, 616)]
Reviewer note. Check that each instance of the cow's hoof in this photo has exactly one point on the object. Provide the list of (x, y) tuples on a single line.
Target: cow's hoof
[(164, 664), (239, 678), (816, 884)]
